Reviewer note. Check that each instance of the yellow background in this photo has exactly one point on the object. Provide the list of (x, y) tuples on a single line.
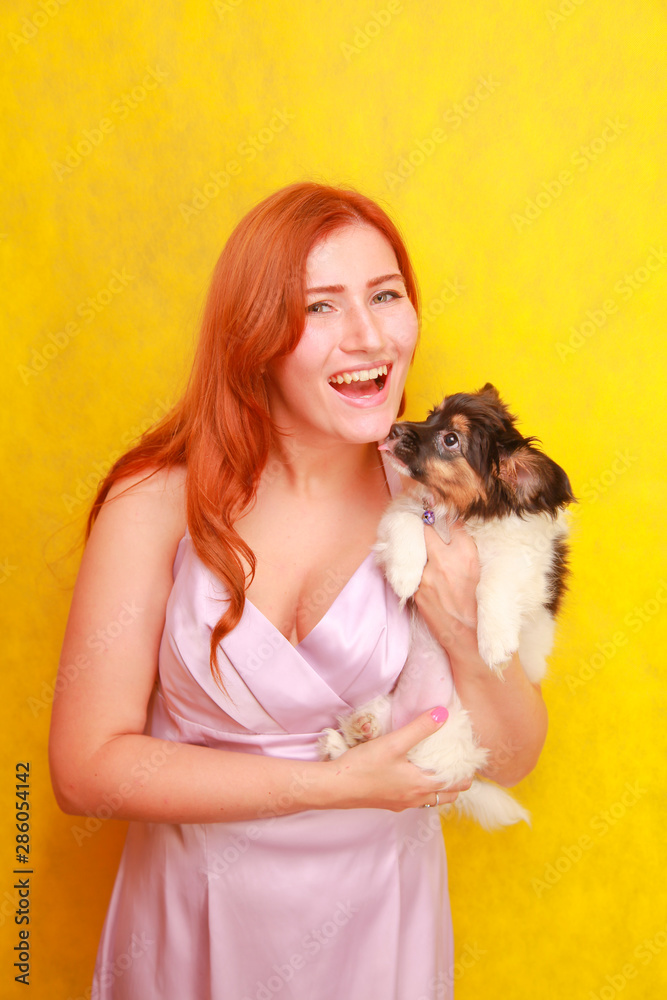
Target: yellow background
[(511, 270)]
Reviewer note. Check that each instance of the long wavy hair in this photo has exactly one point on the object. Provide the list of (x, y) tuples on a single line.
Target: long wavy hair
[(221, 429)]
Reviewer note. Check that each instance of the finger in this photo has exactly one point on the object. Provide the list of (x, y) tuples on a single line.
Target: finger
[(446, 796), (454, 788), (460, 786), (424, 725), (439, 797)]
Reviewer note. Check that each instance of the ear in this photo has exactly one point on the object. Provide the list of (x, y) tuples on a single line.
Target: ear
[(536, 483), (490, 392)]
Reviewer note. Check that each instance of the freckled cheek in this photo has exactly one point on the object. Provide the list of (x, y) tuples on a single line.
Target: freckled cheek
[(295, 382), (406, 327), (314, 350), (307, 361), (404, 336)]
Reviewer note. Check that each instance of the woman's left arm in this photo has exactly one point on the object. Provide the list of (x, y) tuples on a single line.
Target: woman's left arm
[(508, 714)]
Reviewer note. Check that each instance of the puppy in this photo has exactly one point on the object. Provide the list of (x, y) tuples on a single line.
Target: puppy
[(467, 462)]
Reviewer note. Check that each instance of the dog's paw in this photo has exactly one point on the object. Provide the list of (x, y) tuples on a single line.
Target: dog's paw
[(495, 650), (404, 578), (361, 726), (331, 745), (401, 547)]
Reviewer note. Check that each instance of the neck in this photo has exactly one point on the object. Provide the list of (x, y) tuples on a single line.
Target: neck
[(310, 469)]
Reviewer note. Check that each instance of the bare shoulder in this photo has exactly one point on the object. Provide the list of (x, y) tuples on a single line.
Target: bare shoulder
[(140, 524), (131, 549), (167, 484), (154, 499)]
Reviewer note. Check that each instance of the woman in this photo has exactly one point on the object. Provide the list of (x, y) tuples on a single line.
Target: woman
[(239, 534)]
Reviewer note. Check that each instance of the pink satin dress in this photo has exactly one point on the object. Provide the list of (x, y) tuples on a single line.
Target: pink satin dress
[(319, 905)]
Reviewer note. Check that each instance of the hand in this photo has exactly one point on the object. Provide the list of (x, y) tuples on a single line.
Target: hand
[(378, 775), (504, 712), (446, 597)]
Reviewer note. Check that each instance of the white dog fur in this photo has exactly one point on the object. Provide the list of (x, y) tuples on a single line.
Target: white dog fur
[(516, 557)]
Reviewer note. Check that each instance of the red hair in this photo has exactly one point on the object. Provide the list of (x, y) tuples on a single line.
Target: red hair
[(221, 429)]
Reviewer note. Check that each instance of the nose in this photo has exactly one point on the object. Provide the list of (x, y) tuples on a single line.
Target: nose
[(404, 435), (405, 429), (363, 331)]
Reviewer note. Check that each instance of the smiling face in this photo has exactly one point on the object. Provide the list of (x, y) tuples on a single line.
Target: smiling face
[(345, 378)]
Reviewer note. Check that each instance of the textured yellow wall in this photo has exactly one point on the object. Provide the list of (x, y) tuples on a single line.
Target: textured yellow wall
[(521, 147)]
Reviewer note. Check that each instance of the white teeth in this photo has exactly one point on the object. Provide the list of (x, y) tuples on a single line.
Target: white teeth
[(359, 376)]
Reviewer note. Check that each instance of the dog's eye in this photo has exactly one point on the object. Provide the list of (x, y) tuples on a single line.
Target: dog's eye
[(451, 441)]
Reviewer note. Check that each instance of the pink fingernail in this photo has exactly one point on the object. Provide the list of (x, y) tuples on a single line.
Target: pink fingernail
[(440, 714)]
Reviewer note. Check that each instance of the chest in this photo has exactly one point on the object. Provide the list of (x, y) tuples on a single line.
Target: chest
[(305, 556)]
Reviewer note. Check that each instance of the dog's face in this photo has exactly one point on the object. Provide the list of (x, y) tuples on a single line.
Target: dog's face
[(469, 453)]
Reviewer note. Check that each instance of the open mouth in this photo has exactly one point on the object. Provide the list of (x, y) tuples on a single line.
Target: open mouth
[(362, 383)]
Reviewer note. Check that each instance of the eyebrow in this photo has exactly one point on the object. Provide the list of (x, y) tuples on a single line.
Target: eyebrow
[(373, 283)]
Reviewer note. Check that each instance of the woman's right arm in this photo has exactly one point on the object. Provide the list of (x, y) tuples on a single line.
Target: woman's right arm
[(100, 758)]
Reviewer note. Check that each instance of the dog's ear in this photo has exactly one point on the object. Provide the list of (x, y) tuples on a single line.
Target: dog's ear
[(490, 392), (490, 399), (535, 482)]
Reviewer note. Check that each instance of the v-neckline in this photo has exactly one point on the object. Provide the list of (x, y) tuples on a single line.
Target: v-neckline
[(392, 480), (317, 624)]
